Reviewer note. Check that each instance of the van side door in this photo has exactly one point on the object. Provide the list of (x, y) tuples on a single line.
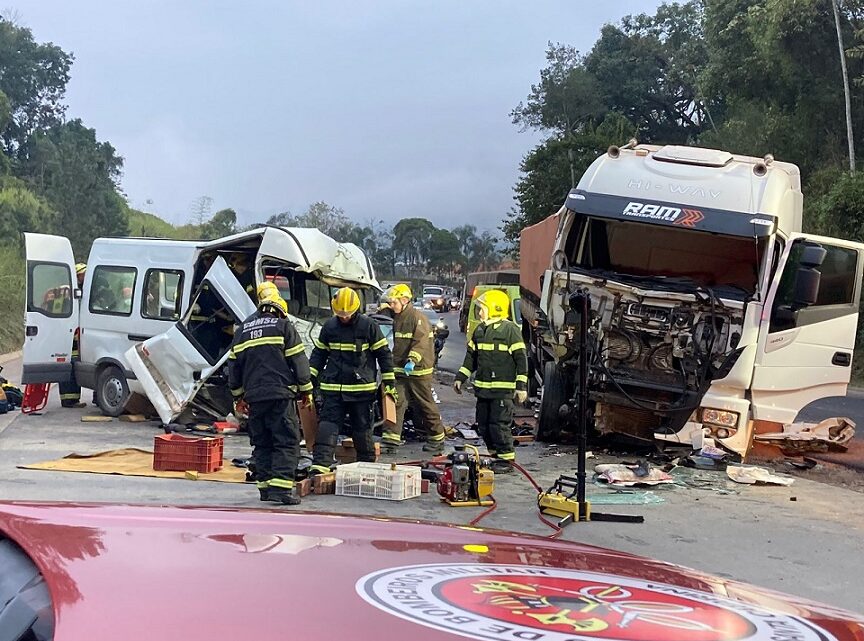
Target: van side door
[(173, 366), (806, 346), (51, 309)]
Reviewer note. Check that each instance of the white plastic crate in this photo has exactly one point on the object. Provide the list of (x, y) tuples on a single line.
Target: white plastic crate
[(378, 481)]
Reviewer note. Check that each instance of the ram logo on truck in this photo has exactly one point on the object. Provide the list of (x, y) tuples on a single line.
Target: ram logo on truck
[(685, 217)]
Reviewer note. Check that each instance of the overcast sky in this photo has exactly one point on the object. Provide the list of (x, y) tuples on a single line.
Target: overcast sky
[(387, 109)]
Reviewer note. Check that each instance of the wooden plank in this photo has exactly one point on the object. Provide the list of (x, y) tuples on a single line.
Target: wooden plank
[(96, 418), (309, 423)]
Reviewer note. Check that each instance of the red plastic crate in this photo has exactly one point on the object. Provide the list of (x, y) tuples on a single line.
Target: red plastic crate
[(175, 453)]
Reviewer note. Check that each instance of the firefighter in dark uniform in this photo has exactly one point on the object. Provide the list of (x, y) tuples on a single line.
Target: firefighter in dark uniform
[(496, 356), (413, 360), (268, 368), (344, 370), (70, 392)]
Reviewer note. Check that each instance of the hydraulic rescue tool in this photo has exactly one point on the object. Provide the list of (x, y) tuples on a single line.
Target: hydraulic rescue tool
[(466, 480)]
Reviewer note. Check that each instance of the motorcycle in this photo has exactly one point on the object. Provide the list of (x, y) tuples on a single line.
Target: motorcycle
[(441, 332)]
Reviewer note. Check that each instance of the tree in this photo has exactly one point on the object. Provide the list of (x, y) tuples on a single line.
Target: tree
[(223, 223), (33, 79), (20, 211), (327, 218), (484, 254), (412, 238), (77, 175), (200, 210), (466, 235), (444, 253)]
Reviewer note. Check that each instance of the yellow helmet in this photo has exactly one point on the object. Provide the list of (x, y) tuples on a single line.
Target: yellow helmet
[(401, 291), (496, 302), (80, 268), (267, 289), (345, 302), (274, 302)]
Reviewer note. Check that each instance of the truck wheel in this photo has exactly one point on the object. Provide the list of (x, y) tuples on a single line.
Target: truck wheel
[(112, 391), (549, 424)]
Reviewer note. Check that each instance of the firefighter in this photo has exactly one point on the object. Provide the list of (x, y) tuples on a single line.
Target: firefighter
[(344, 370), (496, 356), (413, 360), (70, 393), (268, 368)]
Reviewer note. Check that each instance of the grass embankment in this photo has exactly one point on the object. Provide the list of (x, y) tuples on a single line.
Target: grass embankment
[(11, 299)]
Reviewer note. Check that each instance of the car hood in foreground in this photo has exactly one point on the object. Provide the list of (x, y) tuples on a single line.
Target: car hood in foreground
[(133, 572)]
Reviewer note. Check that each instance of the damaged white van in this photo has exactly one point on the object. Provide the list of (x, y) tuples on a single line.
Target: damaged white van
[(156, 317)]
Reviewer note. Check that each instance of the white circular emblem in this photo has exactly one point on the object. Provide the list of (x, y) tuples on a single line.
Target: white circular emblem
[(530, 603)]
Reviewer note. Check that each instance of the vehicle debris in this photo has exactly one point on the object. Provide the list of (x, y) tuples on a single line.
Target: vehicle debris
[(629, 475), (830, 435), (753, 475)]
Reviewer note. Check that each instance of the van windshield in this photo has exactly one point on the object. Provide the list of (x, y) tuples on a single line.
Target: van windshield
[(640, 250)]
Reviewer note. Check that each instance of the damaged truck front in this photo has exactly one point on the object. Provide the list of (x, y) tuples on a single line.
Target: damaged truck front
[(711, 314)]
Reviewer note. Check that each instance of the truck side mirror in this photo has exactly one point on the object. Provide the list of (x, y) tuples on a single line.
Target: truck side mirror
[(806, 286), (808, 277)]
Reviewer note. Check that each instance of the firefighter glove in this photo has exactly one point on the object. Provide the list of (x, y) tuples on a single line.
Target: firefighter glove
[(306, 400), (409, 367), (390, 391), (521, 396), (457, 386), (241, 409)]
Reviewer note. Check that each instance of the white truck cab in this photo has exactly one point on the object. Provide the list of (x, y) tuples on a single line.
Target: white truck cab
[(711, 311), (156, 317)]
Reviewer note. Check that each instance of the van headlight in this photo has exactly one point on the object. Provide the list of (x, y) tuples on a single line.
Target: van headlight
[(723, 418)]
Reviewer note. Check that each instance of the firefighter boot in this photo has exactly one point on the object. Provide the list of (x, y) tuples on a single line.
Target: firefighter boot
[(285, 497), (434, 447)]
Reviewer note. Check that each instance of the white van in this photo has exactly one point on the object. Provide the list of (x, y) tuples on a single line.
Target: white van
[(156, 317)]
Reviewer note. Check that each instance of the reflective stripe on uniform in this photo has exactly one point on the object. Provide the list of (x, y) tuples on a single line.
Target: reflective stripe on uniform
[(415, 356), (465, 371), (388, 376), (379, 344), (255, 342), (495, 384), (305, 388), (282, 484), (521, 378), (435, 438), (422, 372), (70, 397), (313, 371), (391, 437), (319, 468), (491, 347), (293, 351), (403, 334), (507, 456), (320, 345), (262, 485), (237, 392), (515, 346), (346, 347), (357, 387)]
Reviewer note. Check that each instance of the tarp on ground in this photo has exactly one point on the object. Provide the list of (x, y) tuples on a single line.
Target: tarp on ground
[(130, 462)]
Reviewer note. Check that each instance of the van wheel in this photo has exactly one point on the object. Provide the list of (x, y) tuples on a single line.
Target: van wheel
[(549, 423), (112, 391)]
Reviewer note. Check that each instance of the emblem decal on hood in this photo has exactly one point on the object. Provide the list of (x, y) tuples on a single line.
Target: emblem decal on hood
[(551, 604)]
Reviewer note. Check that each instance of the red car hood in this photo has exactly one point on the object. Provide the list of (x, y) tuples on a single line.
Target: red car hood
[(132, 572)]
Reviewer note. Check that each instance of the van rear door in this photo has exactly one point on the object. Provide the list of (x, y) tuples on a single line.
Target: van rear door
[(805, 352), (51, 309), (173, 366)]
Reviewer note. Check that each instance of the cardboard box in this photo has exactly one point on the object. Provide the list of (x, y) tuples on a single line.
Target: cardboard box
[(309, 424), (346, 453), (388, 409)]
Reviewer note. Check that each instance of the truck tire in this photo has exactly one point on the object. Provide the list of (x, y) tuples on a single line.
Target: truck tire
[(112, 391), (549, 424)]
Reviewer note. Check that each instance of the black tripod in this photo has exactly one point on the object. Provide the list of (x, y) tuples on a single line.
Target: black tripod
[(559, 499)]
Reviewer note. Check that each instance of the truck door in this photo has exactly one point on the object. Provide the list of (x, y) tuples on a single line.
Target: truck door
[(173, 366), (51, 309), (805, 347)]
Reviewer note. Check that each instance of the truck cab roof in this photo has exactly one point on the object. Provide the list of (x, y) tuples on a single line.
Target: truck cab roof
[(698, 178)]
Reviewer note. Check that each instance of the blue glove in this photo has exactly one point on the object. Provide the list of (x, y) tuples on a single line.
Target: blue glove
[(409, 367)]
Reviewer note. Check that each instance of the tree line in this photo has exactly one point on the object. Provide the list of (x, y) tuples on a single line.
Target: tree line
[(747, 76)]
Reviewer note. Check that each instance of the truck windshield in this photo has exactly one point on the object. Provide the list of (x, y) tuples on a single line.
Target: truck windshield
[(644, 250)]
